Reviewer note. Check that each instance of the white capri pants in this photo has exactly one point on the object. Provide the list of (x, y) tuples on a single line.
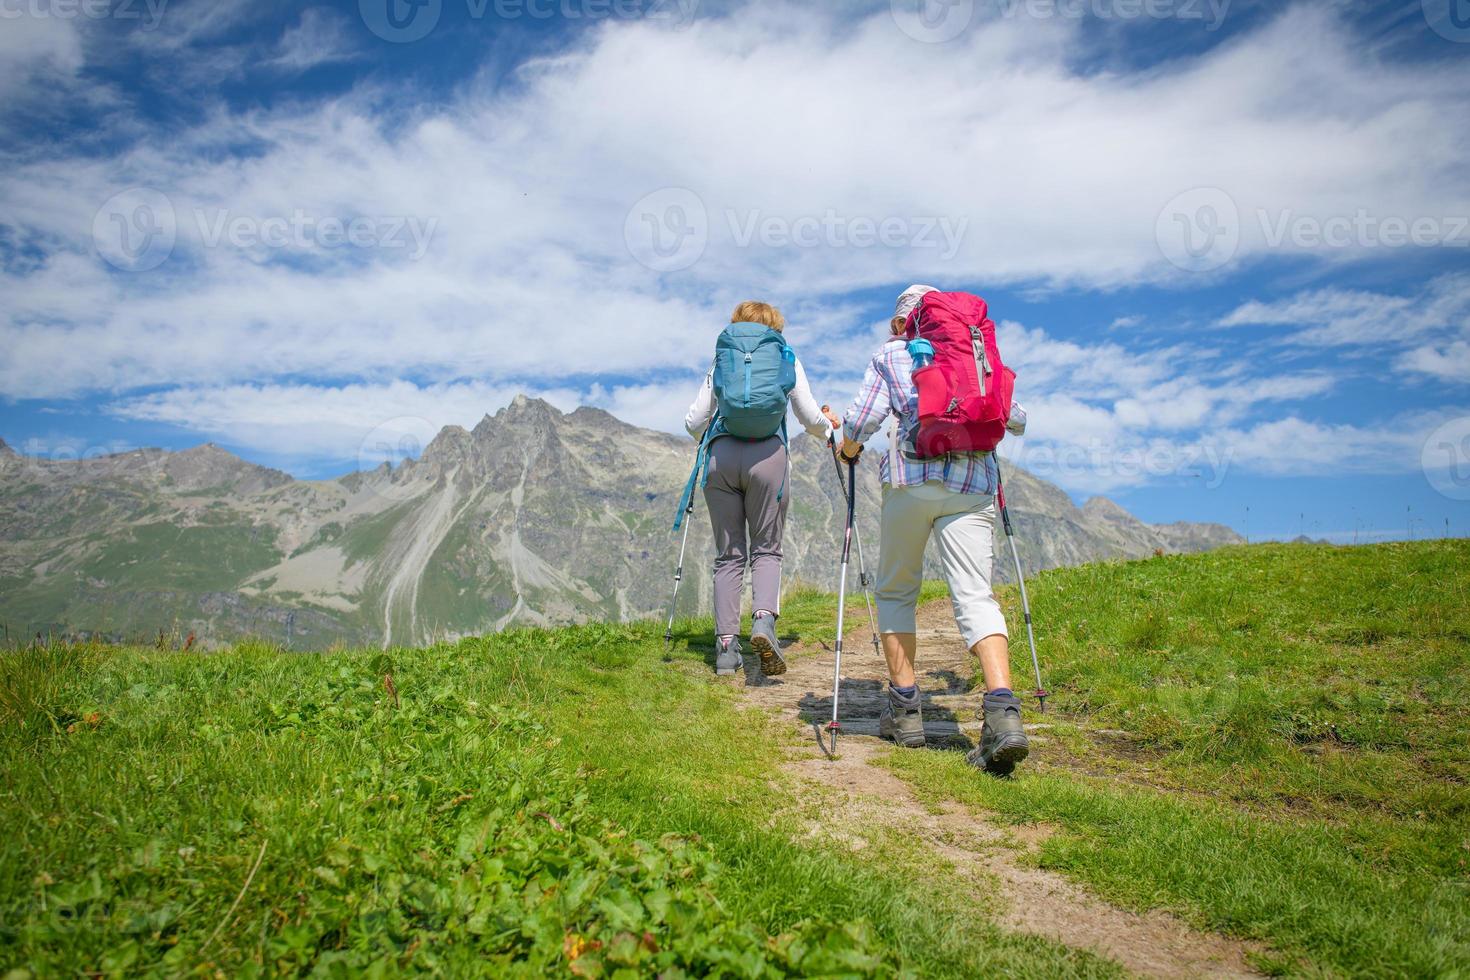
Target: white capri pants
[(965, 526)]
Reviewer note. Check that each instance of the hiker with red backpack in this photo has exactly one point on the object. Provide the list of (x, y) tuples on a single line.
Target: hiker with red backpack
[(739, 416), (941, 379)]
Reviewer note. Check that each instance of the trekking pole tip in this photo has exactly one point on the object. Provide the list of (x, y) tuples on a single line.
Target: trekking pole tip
[(1041, 697)]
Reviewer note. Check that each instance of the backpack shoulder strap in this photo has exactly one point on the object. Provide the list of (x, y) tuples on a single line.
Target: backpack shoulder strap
[(701, 459)]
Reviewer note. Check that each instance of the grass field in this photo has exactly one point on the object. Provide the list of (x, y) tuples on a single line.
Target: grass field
[(1270, 741)]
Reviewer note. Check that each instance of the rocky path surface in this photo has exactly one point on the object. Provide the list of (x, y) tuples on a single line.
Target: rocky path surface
[(987, 858)]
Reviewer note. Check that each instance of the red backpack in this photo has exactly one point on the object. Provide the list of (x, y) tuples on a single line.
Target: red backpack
[(965, 394)]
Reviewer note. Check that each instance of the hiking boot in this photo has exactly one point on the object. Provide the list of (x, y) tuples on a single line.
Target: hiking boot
[(763, 641), (727, 656), (1002, 740), (902, 720)]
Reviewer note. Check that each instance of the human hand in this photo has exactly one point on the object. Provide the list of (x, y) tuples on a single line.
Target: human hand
[(850, 450), (832, 416)]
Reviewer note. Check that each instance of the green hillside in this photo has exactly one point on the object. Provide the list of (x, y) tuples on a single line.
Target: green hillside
[(1270, 742)]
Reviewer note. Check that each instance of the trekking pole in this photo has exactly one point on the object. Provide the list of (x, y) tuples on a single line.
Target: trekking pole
[(678, 574), (833, 727), (1005, 516), (857, 534), (699, 460)]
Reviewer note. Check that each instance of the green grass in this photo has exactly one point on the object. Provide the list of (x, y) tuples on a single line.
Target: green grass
[(1296, 750), (1291, 768), (551, 800)]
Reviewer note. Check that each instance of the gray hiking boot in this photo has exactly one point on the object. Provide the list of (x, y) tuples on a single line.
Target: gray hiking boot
[(902, 720), (763, 641), (1002, 740), (727, 657)]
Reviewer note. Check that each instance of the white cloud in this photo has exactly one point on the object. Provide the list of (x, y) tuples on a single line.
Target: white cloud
[(320, 37), (37, 46), (1448, 363), (774, 115), (1337, 317), (1294, 446), (1060, 177), (1101, 417)]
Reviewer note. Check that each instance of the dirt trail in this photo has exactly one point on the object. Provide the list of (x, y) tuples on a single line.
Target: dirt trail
[(1037, 901)]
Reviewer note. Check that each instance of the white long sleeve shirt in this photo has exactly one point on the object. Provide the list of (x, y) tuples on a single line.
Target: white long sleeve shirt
[(806, 408)]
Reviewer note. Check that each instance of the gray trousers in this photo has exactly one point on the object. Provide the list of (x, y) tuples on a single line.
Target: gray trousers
[(745, 481)]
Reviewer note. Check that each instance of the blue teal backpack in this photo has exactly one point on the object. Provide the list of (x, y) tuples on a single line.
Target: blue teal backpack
[(754, 373)]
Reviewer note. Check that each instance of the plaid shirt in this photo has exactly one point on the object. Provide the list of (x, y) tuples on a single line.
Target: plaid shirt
[(888, 390)]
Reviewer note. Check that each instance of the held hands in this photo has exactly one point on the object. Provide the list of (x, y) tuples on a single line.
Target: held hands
[(849, 451)]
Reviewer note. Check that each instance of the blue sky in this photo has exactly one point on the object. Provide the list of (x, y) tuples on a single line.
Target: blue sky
[(1226, 242)]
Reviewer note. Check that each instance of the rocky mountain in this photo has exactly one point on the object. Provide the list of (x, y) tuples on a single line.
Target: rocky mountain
[(533, 517)]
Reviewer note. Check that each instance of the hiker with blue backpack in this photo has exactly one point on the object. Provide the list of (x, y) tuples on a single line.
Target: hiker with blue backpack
[(941, 380), (739, 418)]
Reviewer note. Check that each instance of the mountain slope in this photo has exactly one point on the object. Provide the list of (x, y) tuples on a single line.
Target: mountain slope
[(532, 517)]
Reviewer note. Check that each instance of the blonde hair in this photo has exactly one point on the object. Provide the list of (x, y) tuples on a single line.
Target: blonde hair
[(753, 311)]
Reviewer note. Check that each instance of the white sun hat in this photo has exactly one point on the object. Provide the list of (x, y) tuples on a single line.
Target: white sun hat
[(909, 298)]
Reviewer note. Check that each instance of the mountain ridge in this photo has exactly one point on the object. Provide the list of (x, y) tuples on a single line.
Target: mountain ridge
[(533, 517)]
